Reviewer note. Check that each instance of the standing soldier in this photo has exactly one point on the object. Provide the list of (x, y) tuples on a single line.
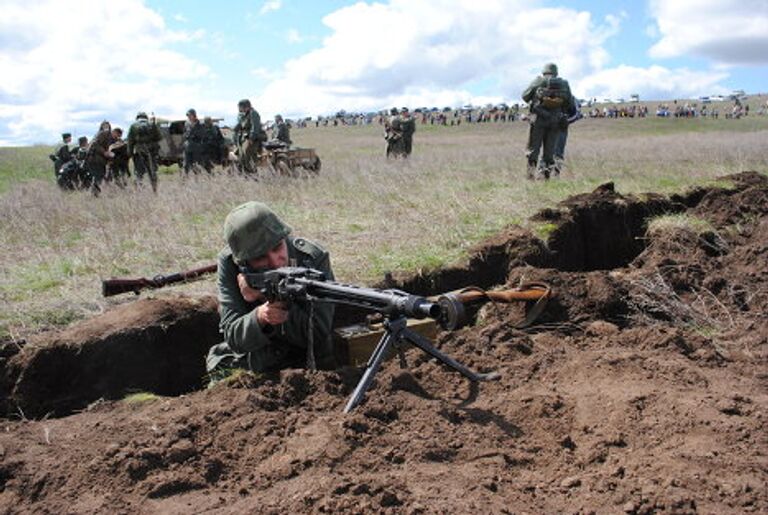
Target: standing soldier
[(214, 146), (549, 98), (393, 134), (118, 166), (62, 155), (194, 141), (574, 115), (98, 156), (281, 132), (143, 146), (408, 126), (249, 135)]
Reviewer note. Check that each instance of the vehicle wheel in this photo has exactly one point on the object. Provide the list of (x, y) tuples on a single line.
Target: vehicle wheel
[(283, 168)]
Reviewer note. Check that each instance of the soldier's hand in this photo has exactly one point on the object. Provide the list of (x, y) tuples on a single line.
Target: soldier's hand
[(248, 293), (272, 313)]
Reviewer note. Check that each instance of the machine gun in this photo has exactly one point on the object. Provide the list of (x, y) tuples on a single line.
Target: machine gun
[(296, 284)]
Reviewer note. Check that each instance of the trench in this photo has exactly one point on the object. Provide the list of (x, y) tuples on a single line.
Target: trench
[(159, 345)]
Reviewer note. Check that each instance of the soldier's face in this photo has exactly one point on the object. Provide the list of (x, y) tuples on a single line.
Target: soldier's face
[(276, 257)]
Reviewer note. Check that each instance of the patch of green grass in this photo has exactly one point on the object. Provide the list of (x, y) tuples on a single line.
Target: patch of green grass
[(21, 164), (141, 397), (677, 222), (544, 230), (424, 258)]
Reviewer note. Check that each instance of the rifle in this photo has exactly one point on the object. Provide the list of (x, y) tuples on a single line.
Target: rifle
[(116, 286), (297, 284)]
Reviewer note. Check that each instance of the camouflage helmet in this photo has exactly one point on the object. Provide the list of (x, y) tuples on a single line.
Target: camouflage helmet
[(252, 229), (142, 114), (549, 68)]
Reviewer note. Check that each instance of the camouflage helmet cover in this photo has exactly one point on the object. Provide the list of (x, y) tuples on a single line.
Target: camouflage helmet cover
[(252, 229), (549, 68)]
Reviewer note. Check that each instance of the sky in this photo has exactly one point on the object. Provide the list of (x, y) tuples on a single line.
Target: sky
[(66, 66)]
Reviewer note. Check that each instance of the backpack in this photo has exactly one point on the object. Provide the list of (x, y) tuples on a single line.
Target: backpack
[(554, 93)]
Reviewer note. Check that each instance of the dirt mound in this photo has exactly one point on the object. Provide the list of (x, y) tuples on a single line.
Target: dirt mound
[(642, 390), (149, 345)]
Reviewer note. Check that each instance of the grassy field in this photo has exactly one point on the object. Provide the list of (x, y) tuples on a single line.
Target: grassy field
[(461, 185)]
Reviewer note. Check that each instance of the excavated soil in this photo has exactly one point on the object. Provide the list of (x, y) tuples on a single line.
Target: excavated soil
[(642, 389)]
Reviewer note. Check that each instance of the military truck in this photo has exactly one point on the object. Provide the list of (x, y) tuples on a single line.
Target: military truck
[(172, 144)]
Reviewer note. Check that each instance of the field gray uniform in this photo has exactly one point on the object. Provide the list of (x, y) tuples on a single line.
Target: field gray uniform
[(394, 137), (247, 345), (143, 146), (194, 147), (549, 99), (282, 132), (97, 159), (249, 135)]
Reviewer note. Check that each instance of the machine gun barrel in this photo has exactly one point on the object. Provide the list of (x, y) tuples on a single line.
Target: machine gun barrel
[(296, 283)]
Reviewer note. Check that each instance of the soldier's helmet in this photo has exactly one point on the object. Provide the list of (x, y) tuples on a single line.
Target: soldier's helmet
[(278, 118), (66, 135), (142, 114), (549, 69), (82, 140), (191, 112), (252, 229), (393, 110), (244, 103)]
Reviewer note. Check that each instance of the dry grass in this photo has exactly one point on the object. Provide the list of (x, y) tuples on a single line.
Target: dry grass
[(462, 184)]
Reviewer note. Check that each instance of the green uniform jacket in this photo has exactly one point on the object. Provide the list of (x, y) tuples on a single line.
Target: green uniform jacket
[(143, 138), (247, 344), (529, 95), (249, 125)]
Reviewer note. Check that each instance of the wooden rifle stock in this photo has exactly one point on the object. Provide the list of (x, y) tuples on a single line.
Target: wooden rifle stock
[(116, 286)]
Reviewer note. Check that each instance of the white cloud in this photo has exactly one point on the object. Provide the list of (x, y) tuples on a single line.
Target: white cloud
[(270, 6), (725, 31), (66, 69), (430, 53), (655, 82)]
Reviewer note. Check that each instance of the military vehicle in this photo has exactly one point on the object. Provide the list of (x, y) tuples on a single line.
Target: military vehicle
[(172, 144), (284, 160)]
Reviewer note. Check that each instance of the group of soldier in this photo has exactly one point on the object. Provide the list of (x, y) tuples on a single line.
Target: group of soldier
[(106, 156), (204, 144), (398, 133)]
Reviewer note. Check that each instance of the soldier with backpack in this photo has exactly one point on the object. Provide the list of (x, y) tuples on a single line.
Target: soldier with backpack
[(143, 146), (549, 99)]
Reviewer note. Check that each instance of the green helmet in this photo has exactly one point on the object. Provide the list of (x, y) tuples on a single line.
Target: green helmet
[(141, 114), (251, 229), (549, 68)]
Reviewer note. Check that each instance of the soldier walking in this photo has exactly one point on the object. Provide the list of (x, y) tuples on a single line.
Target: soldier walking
[(549, 98), (98, 156), (143, 147), (118, 166), (249, 135)]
